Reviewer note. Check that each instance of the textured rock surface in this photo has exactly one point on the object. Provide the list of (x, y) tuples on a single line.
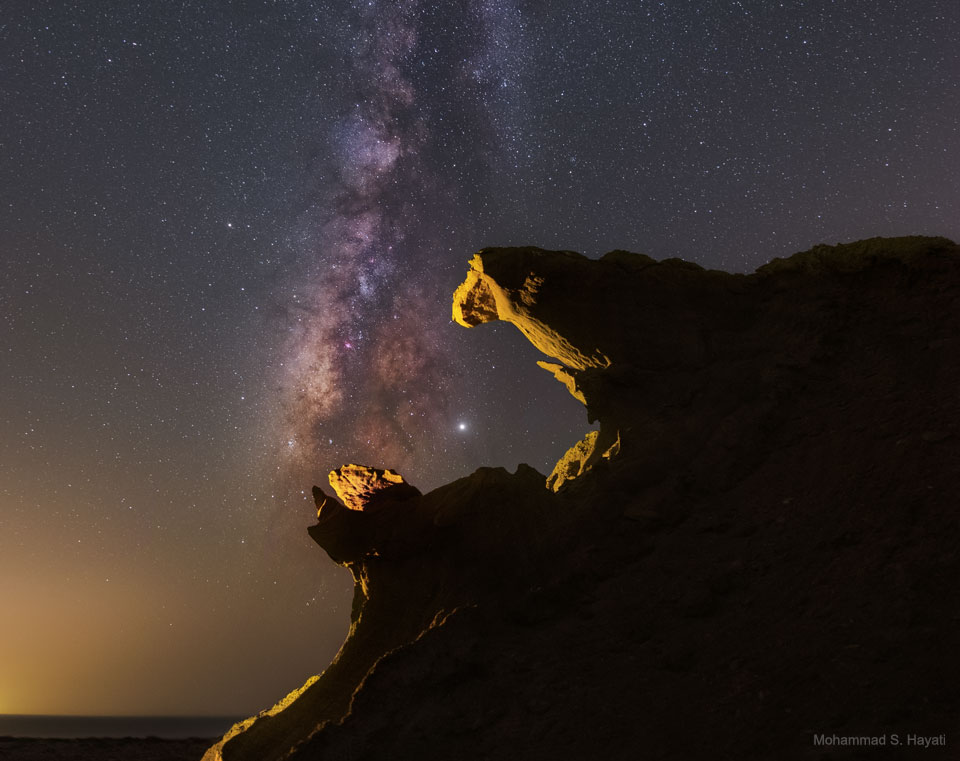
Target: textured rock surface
[(770, 550), (581, 457), (363, 488)]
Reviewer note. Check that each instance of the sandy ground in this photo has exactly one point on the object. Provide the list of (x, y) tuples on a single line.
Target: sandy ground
[(103, 749)]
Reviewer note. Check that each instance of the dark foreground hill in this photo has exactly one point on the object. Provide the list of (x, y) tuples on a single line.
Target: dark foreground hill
[(755, 556), (101, 749)]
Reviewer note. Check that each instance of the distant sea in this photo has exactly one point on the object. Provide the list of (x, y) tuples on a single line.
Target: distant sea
[(71, 727)]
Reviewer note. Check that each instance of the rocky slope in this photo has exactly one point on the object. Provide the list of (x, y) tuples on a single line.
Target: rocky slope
[(758, 546)]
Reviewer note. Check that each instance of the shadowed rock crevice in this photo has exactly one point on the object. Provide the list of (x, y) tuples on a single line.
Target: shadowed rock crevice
[(758, 544)]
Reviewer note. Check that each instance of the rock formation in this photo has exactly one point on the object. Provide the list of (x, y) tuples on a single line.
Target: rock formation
[(758, 546)]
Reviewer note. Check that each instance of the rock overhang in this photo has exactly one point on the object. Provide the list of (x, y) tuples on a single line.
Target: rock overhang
[(745, 349)]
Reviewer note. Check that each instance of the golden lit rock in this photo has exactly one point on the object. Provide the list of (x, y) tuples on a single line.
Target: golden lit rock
[(566, 377), (581, 457), (754, 436), (473, 301), (360, 486), (380, 514), (505, 284)]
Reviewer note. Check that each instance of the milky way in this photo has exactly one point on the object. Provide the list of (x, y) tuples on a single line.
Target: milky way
[(368, 375), (231, 229)]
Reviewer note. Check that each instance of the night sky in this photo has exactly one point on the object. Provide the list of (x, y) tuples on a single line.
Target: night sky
[(230, 235)]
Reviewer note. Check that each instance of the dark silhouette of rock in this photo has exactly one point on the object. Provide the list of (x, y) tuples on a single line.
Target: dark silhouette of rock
[(757, 548), (101, 749), (379, 515)]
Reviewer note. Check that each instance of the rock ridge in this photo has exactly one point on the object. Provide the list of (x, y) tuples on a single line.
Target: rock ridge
[(758, 543)]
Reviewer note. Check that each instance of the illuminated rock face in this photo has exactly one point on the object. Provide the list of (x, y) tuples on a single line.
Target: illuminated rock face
[(762, 531), (363, 488), (581, 457), (376, 515)]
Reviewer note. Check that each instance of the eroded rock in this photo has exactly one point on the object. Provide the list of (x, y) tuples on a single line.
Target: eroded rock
[(361, 487), (761, 534), (582, 456)]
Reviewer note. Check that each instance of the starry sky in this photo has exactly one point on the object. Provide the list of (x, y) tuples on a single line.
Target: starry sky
[(229, 235)]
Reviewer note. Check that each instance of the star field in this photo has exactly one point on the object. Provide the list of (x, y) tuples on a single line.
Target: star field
[(230, 236)]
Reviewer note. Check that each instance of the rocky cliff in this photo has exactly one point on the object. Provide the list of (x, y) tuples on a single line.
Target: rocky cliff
[(758, 546)]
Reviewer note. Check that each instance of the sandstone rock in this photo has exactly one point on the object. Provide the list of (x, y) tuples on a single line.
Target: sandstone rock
[(505, 284), (339, 530), (361, 487), (381, 515), (688, 582), (581, 457)]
